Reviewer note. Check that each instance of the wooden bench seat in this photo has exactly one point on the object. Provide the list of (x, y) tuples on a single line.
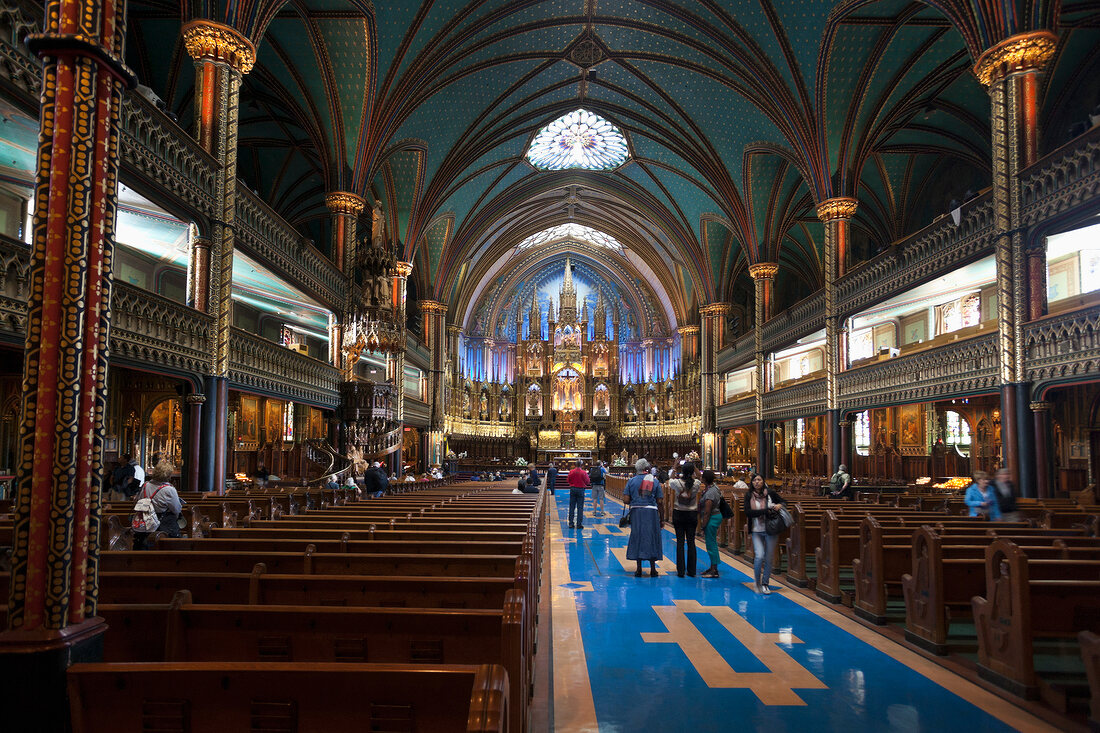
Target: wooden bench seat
[(345, 545), (336, 698), (939, 589), (885, 557), (1021, 603)]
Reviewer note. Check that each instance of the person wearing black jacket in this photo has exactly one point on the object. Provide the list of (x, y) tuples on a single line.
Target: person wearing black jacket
[(760, 504), (551, 476), (375, 482), (1006, 495)]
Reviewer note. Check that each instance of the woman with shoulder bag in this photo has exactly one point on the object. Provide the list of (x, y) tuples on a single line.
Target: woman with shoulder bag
[(685, 513), (762, 504), (710, 519)]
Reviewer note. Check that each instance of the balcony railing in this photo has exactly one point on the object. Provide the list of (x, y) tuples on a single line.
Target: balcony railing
[(256, 363)]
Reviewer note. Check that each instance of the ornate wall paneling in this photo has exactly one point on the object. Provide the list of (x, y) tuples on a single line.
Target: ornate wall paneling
[(962, 368), (798, 400), (15, 268), (1063, 348), (257, 364)]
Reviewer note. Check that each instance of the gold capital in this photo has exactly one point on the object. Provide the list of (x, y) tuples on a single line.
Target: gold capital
[(433, 306), (688, 330), (839, 207), (403, 269), (207, 40), (715, 309), (344, 202), (1020, 53), (1040, 406), (763, 270)]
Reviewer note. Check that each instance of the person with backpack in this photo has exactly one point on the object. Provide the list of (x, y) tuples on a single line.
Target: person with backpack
[(685, 515), (760, 504), (642, 497), (710, 519), (599, 486), (840, 485), (158, 506)]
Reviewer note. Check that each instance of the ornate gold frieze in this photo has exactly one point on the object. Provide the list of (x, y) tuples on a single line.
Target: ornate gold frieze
[(343, 202), (210, 41), (763, 270), (839, 207), (1020, 53)]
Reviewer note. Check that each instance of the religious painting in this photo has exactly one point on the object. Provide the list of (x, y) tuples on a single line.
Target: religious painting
[(912, 432), (914, 329), (165, 432), (880, 429), (274, 422), (316, 424), (248, 420)]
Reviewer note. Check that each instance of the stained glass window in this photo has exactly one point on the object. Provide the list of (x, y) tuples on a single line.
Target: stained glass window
[(571, 231), (862, 427), (288, 422), (579, 139), (957, 431)]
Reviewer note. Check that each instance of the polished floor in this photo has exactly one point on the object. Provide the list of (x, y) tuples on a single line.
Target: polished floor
[(696, 654)]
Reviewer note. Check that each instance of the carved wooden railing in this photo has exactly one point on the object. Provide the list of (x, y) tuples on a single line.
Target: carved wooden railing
[(261, 232), (804, 317), (798, 400), (15, 263), (1063, 345), (1065, 179), (739, 354), (148, 329), (963, 367), (329, 460), (263, 365), (738, 412)]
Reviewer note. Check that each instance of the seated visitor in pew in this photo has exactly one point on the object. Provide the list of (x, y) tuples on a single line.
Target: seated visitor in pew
[(982, 498), (166, 502), (332, 484)]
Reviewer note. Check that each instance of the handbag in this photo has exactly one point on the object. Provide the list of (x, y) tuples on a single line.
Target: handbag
[(725, 509), (779, 521), (624, 520)]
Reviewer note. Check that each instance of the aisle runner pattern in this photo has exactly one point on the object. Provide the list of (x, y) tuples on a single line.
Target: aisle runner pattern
[(670, 654)]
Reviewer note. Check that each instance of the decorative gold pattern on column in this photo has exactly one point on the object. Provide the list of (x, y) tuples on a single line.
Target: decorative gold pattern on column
[(435, 338), (763, 275), (210, 41), (835, 213), (713, 328), (1020, 53), (56, 514), (346, 208), (1040, 406)]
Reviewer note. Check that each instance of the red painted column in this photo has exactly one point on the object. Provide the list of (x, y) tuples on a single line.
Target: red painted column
[(54, 579), (194, 439)]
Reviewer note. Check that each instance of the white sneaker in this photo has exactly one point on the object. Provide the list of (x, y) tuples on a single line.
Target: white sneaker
[(766, 590), (757, 589)]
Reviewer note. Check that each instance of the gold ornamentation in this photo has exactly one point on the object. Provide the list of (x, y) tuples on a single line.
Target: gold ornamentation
[(343, 202), (1020, 53), (1040, 406), (403, 269), (688, 330), (715, 309), (763, 270), (433, 306), (207, 40), (839, 207)]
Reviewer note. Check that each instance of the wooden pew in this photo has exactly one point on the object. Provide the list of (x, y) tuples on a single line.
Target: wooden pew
[(238, 696), (346, 545), (1017, 608), (190, 632), (886, 555), (940, 585), (1090, 653)]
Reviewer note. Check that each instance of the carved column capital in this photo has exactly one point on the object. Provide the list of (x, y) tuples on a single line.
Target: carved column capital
[(687, 330), (1041, 406), (344, 202), (839, 207), (206, 40), (433, 306), (763, 270), (714, 309), (195, 399), (453, 329), (402, 269), (1018, 54)]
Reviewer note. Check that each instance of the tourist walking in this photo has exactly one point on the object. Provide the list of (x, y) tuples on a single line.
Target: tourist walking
[(685, 517), (578, 482), (982, 498), (760, 504), (710, 519), (1006, 495), (551, 476), (642, 496), (598, 477)]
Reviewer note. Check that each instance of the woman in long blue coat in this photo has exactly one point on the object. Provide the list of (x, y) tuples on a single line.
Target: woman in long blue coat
[(643, 496)]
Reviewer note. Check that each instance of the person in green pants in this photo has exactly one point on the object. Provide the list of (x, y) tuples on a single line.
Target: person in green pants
[(710, 519)]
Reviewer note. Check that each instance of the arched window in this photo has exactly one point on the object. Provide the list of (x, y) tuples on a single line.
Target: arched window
[(579, 139), (957, 431), (862, 429), (800, 433)]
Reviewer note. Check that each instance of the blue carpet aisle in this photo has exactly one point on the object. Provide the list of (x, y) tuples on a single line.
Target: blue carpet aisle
[(692, 654)]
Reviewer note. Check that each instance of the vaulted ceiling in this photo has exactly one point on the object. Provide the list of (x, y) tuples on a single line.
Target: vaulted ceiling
[(739, 117)]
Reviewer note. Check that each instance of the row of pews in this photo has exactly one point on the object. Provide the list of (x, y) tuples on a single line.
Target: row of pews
[(1024, 595), (409, 612)]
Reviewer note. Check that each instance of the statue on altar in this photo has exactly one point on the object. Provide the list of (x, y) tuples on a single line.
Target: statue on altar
[(484, 411), (533, 403), (466, 403), (377, 226), (631, 409), (601, 402)]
